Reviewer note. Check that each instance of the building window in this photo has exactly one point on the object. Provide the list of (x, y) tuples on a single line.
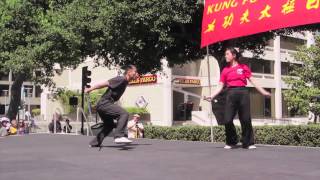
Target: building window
[(291, 43), (4, 77), (38, 91), (284, 68), (260, 106), (2, 109), (287, 68), (259, 65), (4, 90), (270, 43), (267, 105), (26, 89)]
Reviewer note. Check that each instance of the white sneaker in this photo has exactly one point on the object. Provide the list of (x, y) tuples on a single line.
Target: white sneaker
[(228, 147), (252, 147), (122, 140)]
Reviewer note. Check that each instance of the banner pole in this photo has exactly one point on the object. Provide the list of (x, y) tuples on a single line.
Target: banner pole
[(209, 84)]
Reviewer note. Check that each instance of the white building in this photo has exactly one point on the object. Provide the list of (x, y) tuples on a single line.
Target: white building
[(30, 93), (189, 83)]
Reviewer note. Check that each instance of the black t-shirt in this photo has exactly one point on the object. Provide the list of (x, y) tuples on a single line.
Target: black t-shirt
[(116, 88)]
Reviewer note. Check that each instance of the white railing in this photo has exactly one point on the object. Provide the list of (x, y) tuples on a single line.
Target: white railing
[(263, 76), (80, 112), (87, 119), (79, 109)]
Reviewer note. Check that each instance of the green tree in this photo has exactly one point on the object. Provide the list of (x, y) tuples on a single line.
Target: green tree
[(31, 43), (304, 80), (142, 32)]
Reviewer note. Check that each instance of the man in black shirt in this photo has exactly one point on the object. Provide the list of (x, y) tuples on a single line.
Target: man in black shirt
[(108, 110)]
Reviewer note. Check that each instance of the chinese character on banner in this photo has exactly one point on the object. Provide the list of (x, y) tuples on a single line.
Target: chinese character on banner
[(211, 26), (228, 21), (265, 13), (313, 4), (245, 17), (288, 7)]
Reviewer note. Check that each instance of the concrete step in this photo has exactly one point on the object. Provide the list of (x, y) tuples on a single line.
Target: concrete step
[(184, 123)]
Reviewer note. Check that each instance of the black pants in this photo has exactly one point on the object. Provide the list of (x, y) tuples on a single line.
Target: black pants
[(238, 101), (108, 112)]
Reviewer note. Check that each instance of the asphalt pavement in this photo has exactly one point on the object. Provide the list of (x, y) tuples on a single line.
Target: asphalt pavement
[(68, 157)]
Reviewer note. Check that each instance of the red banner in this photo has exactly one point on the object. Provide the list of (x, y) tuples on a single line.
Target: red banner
[(227, 19)]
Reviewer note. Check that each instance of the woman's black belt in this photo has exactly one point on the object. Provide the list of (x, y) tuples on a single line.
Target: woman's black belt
[(237, 87)]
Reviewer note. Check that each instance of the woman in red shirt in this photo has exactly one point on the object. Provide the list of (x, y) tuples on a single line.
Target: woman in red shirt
[(235, 77)]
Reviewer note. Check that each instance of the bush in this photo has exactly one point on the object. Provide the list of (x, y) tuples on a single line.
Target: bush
[(273, 135), (36, 112), (136, 110)]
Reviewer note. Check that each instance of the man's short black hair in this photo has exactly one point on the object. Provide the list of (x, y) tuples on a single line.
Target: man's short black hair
[(129, 67)]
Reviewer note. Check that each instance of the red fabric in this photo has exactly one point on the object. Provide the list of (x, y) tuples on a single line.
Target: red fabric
[(281, 14), (235, 76)]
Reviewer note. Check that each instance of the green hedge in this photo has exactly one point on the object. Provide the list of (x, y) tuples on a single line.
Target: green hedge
[(36, 112), (136, 110), (308, 135)]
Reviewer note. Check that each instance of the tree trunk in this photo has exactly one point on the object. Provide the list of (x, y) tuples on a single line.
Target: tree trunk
[(15, 96)]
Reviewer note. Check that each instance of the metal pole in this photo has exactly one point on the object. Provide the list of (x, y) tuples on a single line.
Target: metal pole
[(185, 106), (28, 96), (5, 100), (55, 123), (29, 106), (90, 114), (82, 106), (209, 83)]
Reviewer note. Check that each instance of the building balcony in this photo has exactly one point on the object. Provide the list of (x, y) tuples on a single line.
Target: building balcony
[(33, 101), (285, 56), (267, 80)]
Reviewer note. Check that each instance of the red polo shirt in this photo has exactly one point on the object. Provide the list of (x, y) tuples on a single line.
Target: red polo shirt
[(235, 76)]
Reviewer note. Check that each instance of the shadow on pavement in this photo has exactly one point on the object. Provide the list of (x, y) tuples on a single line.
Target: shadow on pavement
[(123, 147)]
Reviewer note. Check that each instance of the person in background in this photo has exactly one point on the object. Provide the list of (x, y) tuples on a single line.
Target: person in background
[(67, 128), (135, 127), (6, 120), (32, 126), (3, 127), (56, 118), (26, 127), (13, 128)]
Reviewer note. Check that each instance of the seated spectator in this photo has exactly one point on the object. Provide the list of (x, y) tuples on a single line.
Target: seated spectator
[(56, 118), (135, 128), (13, 128), (8, 125), (3, 127), (26, 127), (67, 128), (21, 127), (32, 126)]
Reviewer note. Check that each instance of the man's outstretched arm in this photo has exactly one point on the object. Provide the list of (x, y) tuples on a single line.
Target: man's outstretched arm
[(98, 85)]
